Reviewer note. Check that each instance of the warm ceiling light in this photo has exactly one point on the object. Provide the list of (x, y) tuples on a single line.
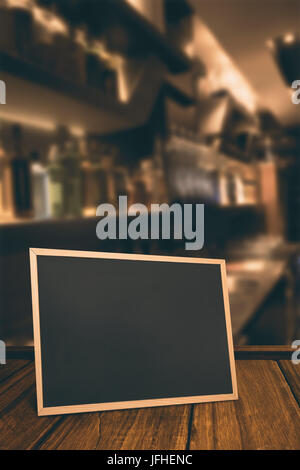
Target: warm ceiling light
[(288, 38), (77, 131)]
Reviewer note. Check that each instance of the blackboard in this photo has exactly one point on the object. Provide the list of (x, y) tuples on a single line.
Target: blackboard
[(116, 331)]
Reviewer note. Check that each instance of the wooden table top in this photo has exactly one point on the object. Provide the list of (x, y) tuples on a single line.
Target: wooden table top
[(266, 416)]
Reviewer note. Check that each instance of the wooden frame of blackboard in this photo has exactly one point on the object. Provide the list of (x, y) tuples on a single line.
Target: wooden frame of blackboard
[(45, 411)]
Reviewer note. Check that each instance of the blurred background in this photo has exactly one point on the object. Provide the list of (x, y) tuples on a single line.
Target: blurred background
[(164, 101)]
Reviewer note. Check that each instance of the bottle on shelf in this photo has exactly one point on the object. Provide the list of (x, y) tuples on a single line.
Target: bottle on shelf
[(140, 186), (90, 185), (147, 174), (40, 187), (57, 173), (108, 155), (122, 183), (94, 176), (119, 182), (239, 189), (223, 198), (160, 190), (21, 175), (72, 182), (252, 184), (56, 181), (6, 185)]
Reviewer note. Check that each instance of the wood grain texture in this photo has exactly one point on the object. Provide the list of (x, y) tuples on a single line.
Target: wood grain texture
[(148, 428), (291, 373), (11, 367), (157, 428), (266, 416), (77, 432), (15, 385), (20, 427)]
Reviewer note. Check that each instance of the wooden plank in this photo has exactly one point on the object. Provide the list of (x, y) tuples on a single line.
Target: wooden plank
[(292, 375), (77, 432), (11, 367), (20, 427), (15, 385), (147, 428), (266, 416)]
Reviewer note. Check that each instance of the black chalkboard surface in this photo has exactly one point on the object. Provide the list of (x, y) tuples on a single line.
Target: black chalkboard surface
[(116, 331)]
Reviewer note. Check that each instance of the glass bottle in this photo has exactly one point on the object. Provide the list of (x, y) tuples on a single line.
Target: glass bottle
[(122, 182), (56, 182), (108, 159), (160, 193), (6, 186), (21, 176), (88, 203), (40, 187), (72, 181), (94, 181)]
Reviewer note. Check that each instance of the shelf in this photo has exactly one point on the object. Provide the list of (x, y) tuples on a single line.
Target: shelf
[(143, 29), (152, 79), (16, 222), (36, 74), (37, 95), (176, 60)]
